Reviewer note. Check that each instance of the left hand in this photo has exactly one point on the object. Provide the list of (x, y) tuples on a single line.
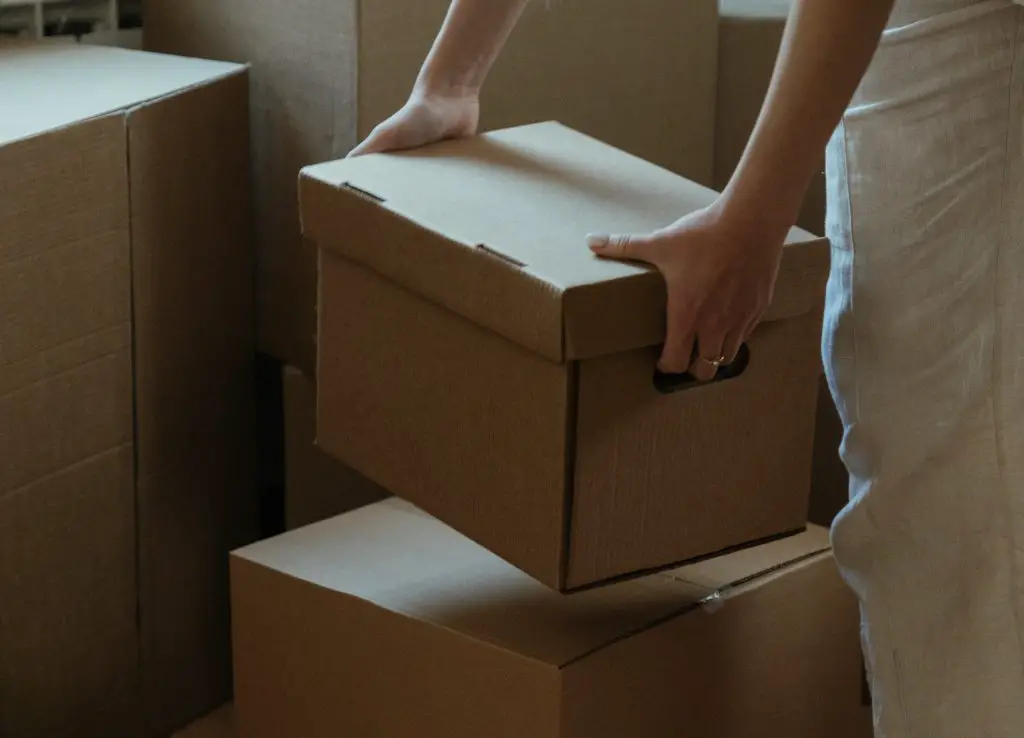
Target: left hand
[(720, 274)]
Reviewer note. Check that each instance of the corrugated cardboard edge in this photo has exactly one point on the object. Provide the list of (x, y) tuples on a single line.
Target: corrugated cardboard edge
[(715, 597)]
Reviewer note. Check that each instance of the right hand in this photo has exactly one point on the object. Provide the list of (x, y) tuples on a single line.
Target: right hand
[(424, 119)]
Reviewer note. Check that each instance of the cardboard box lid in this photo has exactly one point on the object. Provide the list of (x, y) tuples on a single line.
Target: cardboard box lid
[(397, 557), (47, 86), (494, 227)]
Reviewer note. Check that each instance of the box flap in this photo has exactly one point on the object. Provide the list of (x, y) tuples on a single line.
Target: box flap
[(47, 86), (397, 557), (510, 210)]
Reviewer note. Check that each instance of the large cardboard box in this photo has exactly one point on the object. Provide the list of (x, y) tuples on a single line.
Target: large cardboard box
[(638, 74), (476, 359), (385, 623), (750, 34), (317, 486), (126, 352)]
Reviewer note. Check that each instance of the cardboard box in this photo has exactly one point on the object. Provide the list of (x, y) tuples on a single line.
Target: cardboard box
[(317, 486), (385, 622), (640, 75), (476, 359), (126, 350), (750, 34)]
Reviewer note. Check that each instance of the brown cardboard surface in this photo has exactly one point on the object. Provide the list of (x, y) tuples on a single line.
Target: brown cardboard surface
[(68, 645), (464, 323), (338, 622), (317, 486), (750, 32), (326, 71), (126, 345)]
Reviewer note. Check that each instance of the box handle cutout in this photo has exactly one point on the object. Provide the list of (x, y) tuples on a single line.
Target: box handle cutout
[(666, 383)]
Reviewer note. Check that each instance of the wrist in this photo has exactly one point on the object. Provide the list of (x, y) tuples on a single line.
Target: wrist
[(444, 84), (759, 213)]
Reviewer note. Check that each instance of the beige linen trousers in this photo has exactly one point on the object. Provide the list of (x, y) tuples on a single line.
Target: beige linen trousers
[(924, 353)]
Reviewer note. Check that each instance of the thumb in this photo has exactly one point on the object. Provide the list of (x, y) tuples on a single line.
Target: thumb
[(381, 138), (607, 246)]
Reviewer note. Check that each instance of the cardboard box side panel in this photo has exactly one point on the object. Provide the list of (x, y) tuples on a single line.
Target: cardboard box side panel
[(68, 645), (304, 65), (758, 663), (66, 419), (475, 435), (316, 663), (662, 76), (317, 485), (624, 424), (749, 41), (64, 260), (194, 350)]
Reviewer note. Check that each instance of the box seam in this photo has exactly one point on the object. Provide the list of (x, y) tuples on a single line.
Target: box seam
[(143, 713), (714, 599), (640, 573)]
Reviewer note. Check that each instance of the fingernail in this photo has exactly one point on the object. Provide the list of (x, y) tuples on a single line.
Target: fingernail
[(597, 241)]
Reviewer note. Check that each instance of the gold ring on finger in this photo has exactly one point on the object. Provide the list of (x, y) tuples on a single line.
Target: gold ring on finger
[(716, 363)]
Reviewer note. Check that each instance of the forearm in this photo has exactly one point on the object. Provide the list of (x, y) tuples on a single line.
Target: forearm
[(473, 34), (827, 47)]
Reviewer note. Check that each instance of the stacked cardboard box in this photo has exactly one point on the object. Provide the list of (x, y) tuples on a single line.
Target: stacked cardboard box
[(476, 360), (126, 345), (464, 321), (385, 622), (640, 75)]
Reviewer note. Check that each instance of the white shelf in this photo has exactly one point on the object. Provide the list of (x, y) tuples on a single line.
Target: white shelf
[(31, 18)]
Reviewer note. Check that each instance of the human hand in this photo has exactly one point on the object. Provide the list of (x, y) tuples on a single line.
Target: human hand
[(424, 119), (720, 275)]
